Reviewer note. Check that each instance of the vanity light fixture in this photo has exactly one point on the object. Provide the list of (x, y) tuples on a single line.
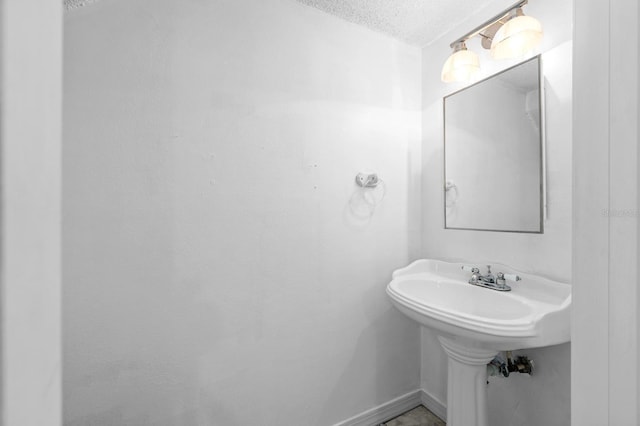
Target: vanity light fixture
[(509, 35), (462, 65), (517, 37)]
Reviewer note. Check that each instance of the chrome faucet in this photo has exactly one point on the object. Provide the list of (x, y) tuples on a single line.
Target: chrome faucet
[(494, 282), (489, 278)]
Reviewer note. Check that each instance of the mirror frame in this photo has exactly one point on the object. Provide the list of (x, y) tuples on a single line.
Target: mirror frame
[(542, 168)]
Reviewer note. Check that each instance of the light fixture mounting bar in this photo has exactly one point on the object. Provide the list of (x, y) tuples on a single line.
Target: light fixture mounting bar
[(477, 30)]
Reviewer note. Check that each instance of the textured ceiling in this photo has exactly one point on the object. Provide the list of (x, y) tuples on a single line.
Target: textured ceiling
[(417, 22)]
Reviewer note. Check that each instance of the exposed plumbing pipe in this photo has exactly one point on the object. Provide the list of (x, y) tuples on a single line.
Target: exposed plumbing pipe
[(498, 367)]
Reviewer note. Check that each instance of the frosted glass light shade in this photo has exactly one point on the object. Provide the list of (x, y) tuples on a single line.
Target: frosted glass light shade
[(516, 38), (462, 65)]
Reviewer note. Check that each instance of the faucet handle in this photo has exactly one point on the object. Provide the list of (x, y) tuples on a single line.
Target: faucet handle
[(512, 277), (475, 273), (502, 278)]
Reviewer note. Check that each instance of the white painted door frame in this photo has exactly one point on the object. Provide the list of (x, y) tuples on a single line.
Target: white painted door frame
[(604, 366), (30, 197)]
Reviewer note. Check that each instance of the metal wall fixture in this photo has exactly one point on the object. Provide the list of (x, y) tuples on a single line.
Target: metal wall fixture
[(510, 34)]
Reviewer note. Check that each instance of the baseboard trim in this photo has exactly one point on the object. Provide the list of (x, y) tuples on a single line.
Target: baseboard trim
[(386, 411), (433, 404), (397, 406)]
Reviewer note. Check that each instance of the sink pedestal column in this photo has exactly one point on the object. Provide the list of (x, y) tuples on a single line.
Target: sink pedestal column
[(466, 383)]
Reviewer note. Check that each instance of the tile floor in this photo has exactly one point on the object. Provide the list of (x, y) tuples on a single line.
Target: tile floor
[(419, 416)]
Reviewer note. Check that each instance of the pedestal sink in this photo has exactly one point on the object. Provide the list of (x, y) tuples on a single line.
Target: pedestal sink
[(474, 324)]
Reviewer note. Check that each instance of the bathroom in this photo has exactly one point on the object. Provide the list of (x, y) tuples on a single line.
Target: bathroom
[(205, 256)]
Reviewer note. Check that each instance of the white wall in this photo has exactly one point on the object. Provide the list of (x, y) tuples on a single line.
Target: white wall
[(605, 228), (545, 397), (213, 271), (30, 143)]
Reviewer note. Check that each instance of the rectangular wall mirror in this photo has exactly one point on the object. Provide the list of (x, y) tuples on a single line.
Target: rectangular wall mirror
[(493, 150)]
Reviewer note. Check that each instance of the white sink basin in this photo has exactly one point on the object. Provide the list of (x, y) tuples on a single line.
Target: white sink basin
[(473, 323), (534, 313)]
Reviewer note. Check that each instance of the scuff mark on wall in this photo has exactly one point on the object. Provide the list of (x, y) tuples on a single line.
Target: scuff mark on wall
[(75, 4)]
